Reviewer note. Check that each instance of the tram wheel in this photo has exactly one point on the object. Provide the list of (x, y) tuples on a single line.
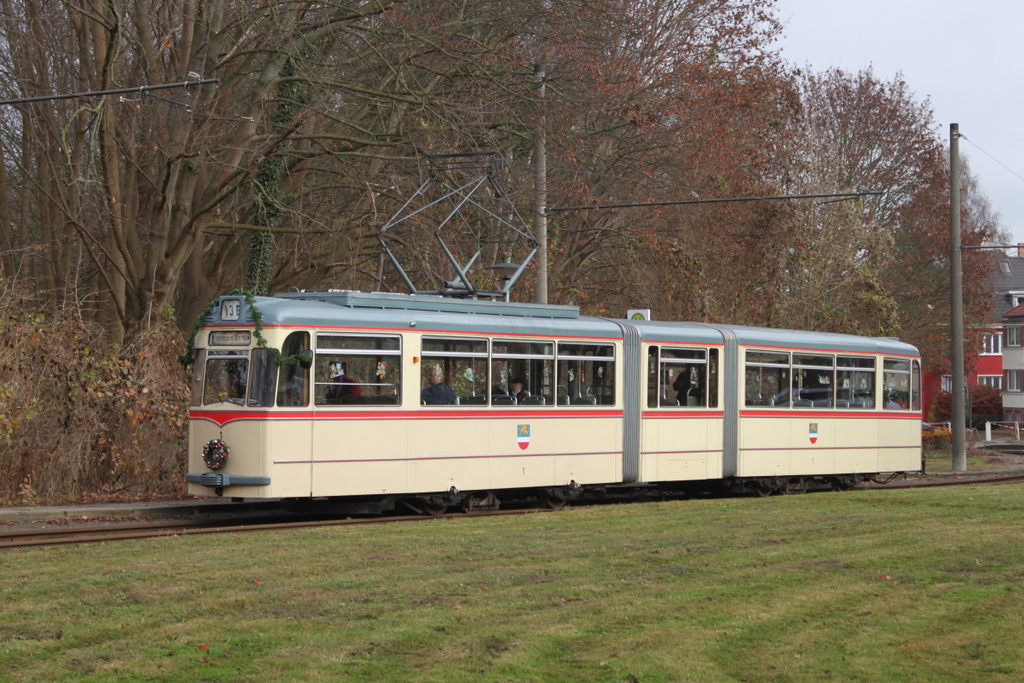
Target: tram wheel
[(764, 491), (434, 510), (554, 502)]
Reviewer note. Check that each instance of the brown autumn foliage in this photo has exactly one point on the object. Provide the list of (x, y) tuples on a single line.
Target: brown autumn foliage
[(80, 418)]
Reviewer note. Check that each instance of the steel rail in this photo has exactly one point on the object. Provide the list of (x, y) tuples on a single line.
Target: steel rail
[(22, 538), (1007, 479)]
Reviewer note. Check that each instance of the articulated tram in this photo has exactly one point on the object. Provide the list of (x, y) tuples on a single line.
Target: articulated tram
[(434, 402)]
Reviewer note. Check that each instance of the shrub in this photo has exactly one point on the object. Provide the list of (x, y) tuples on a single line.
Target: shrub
[(80, 418), (986, 406), (937, 439)]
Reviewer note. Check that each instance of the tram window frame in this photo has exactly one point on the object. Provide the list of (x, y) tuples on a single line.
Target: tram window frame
[(219, 363), (533, 361), (896, 372), (586, 379), (262, 379), (464, 370), (198, 377), (813, 380), (758, 376), (701, 368), (371, 361), (915, 386), (293, 378), (856, 382)]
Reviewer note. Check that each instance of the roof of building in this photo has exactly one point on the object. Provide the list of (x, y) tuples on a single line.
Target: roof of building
[(1007, 278)]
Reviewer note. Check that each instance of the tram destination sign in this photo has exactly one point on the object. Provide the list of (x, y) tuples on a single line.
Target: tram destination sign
[(236, 338)]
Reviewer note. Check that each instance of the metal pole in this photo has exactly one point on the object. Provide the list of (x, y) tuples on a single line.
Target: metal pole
[(957, 304), (540, 190)]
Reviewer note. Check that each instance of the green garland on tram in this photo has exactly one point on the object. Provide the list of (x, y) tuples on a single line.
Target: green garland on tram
[(189, 357)]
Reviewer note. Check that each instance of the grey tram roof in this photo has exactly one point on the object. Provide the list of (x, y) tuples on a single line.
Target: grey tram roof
[(433, 314)]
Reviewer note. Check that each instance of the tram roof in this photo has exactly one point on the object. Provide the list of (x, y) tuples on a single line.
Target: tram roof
[(772, 338), (422, 313), (439, 314)]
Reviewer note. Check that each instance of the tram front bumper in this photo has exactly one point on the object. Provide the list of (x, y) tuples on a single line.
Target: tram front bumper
[(219, 479)]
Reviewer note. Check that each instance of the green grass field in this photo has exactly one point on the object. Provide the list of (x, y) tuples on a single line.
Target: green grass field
[(911, 585)]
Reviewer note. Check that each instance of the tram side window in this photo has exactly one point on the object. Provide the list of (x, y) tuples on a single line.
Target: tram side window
[(227, 374), (198, 377), (896, 384), (355, 369), (767, 379), (812, 381), (586, 374), (531, 363), (684, 377), (461, 364), (293, 378), (712, 378), (855, 382), (652, 377)]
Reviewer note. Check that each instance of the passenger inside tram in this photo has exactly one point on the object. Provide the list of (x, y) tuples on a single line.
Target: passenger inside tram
[(516, 389), (344, 389), (437, 392)]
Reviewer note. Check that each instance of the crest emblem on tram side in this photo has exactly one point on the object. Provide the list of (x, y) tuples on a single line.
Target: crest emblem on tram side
[(813, 431), (523, 436)]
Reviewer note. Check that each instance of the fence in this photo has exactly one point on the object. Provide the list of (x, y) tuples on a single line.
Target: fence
[(1015, 426)]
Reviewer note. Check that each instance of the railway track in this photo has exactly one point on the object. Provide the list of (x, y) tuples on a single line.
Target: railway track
[(22, 538), (999, 479)]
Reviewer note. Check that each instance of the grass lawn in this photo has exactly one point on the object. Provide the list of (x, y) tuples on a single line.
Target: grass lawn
[(910, 585)]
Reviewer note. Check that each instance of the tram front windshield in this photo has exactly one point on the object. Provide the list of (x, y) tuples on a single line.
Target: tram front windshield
[(229, 376)]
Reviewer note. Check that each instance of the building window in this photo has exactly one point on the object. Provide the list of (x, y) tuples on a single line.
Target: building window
[(947, 384), (992, 343), (1012, 334), (1012, 380), (994, 381)]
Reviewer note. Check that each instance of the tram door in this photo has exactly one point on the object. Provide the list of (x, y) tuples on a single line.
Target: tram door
[(291, 432), (682, 426), (359, 438)]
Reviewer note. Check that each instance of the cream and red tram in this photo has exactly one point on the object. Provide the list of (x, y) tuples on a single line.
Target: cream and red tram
[(538, 398)]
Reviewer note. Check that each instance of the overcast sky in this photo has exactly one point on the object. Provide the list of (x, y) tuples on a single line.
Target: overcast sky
[(967, 58)]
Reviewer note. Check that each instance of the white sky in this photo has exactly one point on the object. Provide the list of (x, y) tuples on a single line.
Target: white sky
[(967, 58)]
